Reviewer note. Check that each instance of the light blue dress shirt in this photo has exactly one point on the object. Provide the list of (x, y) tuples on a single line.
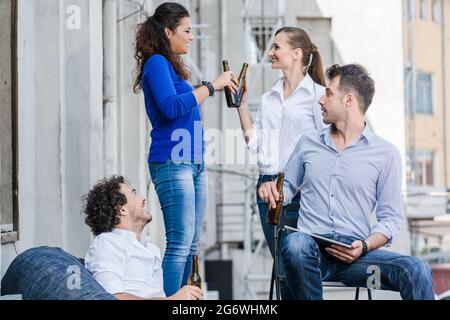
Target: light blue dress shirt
[(341, 189)]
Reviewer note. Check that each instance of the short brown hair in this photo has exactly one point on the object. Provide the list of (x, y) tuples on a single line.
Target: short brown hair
[(354, 77)]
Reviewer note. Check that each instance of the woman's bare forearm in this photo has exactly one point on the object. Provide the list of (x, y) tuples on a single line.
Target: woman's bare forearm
[(246, 121)]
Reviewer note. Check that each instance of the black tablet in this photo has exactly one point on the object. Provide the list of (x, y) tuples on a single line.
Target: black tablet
[(321, 240)]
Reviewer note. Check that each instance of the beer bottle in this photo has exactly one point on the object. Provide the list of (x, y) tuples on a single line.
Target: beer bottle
[(194, 278), (242, 81), (229, 95), (234, 99), (273, 214)]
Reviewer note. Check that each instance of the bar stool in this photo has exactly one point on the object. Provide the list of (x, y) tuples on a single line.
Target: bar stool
[(277, 277)]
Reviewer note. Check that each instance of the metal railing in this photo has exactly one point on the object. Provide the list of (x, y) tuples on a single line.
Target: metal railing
[(245, 228)]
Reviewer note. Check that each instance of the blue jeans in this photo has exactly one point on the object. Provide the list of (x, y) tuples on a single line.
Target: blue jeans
[(51, 274), (289, 218), (182, 190), (308, 264)]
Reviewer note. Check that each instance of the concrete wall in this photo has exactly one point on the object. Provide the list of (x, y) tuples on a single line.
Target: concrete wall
[(61, 120), (5, 115), (59, 92)]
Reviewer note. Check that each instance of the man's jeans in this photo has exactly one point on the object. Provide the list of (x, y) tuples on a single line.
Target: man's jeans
[(288, 218), (182, 190), (308, 264), (51, 274)]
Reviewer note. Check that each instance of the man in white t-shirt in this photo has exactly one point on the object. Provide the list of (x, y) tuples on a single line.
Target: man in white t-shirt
[(125, 263)]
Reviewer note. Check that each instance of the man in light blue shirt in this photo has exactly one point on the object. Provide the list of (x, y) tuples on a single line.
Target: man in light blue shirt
[(345, 172)]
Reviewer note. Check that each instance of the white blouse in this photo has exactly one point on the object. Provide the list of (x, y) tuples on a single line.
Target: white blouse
[(122, 264), (280, 123)]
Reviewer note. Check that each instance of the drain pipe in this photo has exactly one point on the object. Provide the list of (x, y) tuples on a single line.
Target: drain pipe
[(445, 95), (224, 250), (110, 104), (445, 92)]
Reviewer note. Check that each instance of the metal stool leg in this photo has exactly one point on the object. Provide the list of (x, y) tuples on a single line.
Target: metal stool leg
[(276, 230), (272, 281), (357, 294), (369, 294)]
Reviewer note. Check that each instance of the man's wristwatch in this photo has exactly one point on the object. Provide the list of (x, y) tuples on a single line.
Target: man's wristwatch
[(209, 86), (365, 248)]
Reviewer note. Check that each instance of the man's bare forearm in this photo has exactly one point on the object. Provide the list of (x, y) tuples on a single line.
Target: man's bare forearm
[(246, 122), (376, 240)]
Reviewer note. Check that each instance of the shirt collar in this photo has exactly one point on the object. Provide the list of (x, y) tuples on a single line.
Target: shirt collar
[(326, 135), (126, 233), (307, 83), (367, 133)]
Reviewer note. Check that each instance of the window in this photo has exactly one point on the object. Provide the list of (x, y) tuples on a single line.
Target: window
[(436, 11), (8, 117), (423, 172), (424, 9), (262, 31), (424, 93)]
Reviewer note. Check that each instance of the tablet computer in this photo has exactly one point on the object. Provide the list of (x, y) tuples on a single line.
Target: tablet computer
[(321, 240)]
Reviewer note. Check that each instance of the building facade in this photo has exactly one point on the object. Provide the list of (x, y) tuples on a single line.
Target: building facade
[(77, 119)]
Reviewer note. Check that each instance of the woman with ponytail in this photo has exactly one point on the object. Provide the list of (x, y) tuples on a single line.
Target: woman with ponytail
[(176, 153), (287, 111)]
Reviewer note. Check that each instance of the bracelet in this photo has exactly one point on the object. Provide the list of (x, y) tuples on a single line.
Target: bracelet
[(365, 248), (210, 87)]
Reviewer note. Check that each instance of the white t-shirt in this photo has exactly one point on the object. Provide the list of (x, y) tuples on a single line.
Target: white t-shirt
[(280, 123), (122, 264)]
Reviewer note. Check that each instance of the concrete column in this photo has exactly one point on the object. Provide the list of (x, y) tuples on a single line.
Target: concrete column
[(110, 129)]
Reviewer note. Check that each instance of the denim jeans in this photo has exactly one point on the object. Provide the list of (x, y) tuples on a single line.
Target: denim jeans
[(289, 218), (51, 274), (308, 264), (182, 190)]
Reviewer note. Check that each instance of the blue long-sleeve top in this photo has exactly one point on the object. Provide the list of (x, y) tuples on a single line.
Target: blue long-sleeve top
[(177, 131)]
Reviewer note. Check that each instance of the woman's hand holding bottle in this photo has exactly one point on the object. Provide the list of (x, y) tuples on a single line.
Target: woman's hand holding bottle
[(226, 79)]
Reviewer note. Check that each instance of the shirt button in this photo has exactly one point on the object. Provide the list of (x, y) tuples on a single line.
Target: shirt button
[(332, 195)]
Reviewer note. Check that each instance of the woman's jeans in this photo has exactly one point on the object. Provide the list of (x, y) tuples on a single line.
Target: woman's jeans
[(288, 217), (307, 264), (182, 191)]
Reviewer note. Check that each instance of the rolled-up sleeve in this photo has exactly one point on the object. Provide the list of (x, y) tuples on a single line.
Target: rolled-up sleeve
[(389, 210), (106, 261), (253, 143), (293, 173)]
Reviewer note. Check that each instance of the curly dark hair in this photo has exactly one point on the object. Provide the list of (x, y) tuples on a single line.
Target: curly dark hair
[(151, 38), (101, 205)]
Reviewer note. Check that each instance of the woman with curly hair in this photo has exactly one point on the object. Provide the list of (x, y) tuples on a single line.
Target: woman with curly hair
[(176, 159)]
